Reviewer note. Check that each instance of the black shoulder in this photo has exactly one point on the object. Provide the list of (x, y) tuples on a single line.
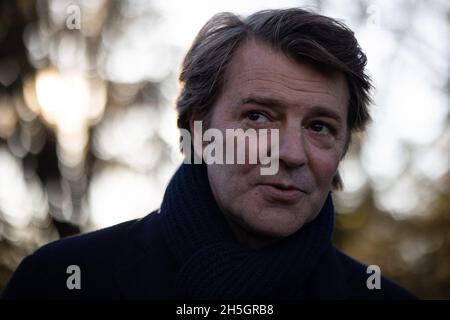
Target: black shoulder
[(44, 273), (357, 275)]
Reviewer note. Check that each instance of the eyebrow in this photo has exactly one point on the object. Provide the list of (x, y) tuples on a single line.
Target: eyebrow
[(317, 110)]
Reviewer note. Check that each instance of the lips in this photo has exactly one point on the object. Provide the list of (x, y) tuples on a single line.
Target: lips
[(281, 192)]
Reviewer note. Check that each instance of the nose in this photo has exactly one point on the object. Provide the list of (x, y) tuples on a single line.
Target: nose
[(292, 147)]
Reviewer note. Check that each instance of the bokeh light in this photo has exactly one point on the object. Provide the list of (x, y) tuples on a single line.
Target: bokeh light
[(88, 133)]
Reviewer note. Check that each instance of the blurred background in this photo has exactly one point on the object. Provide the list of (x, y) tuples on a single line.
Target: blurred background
[(88, 133)]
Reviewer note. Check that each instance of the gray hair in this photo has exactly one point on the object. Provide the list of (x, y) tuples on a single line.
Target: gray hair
[(303, 35)]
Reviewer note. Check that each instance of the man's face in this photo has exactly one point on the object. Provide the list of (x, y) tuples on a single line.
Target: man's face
[(264, 89)]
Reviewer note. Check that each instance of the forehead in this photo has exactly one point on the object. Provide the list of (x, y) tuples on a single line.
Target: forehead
[(258, 69)]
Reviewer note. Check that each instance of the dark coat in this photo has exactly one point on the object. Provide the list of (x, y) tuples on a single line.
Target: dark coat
[(132, 261)]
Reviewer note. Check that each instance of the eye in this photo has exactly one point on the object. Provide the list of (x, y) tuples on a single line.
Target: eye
[(256, 116), (321, 128)]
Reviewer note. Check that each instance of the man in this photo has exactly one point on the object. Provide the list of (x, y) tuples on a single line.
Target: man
[(226, 231)]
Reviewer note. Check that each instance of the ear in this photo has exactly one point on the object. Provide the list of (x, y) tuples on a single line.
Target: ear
[(191, 119), (348, 141), (196, 138), (337, 183)]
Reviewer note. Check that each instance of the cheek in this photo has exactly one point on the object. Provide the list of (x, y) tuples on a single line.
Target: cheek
[(229, 179), (324, 165), (216, 177), (230, 185)]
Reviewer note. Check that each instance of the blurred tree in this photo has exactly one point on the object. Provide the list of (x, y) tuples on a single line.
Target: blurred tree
[(34, 38), (128, 76)]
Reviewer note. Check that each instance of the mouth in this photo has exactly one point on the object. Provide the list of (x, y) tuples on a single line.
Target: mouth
[(282, 192)]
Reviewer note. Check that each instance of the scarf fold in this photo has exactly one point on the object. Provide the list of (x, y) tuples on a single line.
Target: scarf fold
[(214, 265)]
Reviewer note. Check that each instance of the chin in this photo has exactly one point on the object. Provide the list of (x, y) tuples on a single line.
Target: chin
[(275, 223)]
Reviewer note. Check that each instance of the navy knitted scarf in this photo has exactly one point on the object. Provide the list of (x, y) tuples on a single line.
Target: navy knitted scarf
[(213, 263)]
